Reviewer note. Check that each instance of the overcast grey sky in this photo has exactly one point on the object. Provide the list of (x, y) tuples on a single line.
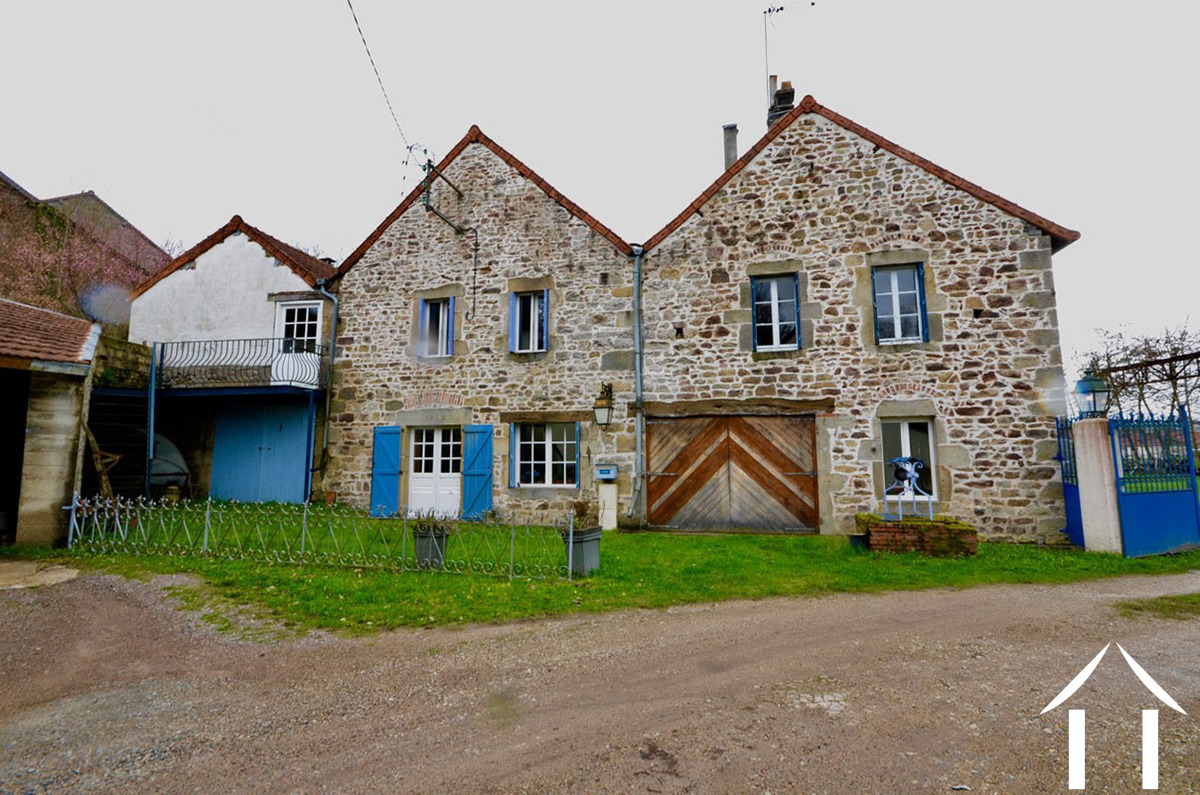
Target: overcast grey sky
[(181, 115)]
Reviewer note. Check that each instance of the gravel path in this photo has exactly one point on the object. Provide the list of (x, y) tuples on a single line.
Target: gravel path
[(107, 687)]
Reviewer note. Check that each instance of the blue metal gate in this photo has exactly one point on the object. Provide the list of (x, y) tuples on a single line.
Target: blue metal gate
[(1070, 479), (1156, 483)]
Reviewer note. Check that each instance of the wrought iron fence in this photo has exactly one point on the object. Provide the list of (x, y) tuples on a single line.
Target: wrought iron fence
[(244, 362), (317, 534)]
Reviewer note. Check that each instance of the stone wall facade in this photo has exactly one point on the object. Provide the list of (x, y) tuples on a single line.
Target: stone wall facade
[(527, 240), (825, 203), (120, 363), (819, 199)]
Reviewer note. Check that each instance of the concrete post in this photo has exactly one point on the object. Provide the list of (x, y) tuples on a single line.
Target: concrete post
[(1097, 486), (608, 506)]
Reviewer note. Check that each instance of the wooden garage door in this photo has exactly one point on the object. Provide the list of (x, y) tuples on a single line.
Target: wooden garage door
[(732, 472)]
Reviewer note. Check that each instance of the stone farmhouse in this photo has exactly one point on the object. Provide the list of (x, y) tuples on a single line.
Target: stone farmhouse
[(480, 319), (831, 302)]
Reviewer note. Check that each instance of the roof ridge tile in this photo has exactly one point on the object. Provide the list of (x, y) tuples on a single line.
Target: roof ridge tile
[(476, 136), (304, 265)]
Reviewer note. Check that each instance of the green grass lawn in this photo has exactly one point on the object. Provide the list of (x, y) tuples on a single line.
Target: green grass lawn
[(638, 570)]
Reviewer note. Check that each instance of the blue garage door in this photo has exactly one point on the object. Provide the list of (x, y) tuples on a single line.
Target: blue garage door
[(262, 453)]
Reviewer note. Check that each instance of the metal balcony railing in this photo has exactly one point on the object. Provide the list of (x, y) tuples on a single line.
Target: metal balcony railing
[(240, 363)]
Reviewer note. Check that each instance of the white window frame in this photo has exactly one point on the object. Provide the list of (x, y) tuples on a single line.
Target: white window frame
[(906, 450), (429, 347), (892, 295), (789, 283), (538, 314), (307, 344), (561, 435)]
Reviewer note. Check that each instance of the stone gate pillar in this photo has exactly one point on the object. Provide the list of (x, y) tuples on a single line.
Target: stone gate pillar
[(1097, 486)]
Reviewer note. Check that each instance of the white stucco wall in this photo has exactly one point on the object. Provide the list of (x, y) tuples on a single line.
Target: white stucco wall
[(223, 295)]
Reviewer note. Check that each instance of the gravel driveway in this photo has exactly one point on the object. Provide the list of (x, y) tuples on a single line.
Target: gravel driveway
[(106, 687)]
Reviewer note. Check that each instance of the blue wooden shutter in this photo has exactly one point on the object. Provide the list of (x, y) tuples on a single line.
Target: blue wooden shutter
[(545, 318), (477, 471), (422, 325), (512, 455), (921, 294), (753, 315), (578, 474), (796, 292), (513, 323), (450, 326), (874, 308), (385, 471)]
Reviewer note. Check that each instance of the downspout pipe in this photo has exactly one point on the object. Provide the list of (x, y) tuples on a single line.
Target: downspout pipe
[(639, 483), (151, 392), (321, 284)]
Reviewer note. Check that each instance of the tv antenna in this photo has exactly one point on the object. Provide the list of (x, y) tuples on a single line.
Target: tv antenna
[(770, 12)]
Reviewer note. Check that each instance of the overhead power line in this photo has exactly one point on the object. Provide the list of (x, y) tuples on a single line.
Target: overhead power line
[(378, 79)]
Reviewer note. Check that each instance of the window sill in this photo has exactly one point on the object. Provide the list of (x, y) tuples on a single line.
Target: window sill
[(902, 346), (527, 356), (776, 353), (540, 492)]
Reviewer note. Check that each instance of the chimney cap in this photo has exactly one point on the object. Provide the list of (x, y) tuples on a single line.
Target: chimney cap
[(782, 101)]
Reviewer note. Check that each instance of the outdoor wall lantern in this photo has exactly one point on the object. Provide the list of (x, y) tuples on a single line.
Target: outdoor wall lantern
[(603, 407), (1093, 394)]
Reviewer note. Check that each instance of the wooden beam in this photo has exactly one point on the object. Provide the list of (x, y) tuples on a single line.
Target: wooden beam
[(762, 407)]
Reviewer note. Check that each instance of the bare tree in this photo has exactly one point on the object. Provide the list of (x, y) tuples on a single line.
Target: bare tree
[(1148, 373)]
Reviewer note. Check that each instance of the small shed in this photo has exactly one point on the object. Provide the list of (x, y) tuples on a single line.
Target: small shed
[(45, 374)]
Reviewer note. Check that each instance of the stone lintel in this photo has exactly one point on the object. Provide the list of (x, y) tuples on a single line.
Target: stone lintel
[(430, 417), (547, 416)]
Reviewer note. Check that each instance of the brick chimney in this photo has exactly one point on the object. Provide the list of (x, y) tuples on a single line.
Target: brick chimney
[(731, 154), (784, 100)]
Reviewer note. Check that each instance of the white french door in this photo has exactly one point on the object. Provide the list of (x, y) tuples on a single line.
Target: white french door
[(435, 471), (297, 329)]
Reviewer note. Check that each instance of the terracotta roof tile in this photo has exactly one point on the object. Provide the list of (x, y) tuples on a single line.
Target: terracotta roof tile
[(1060, 235), (305, 266), (473, 136), (27, 332)]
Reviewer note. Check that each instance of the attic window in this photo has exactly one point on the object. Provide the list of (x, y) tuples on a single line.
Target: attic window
[(603, 278)]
